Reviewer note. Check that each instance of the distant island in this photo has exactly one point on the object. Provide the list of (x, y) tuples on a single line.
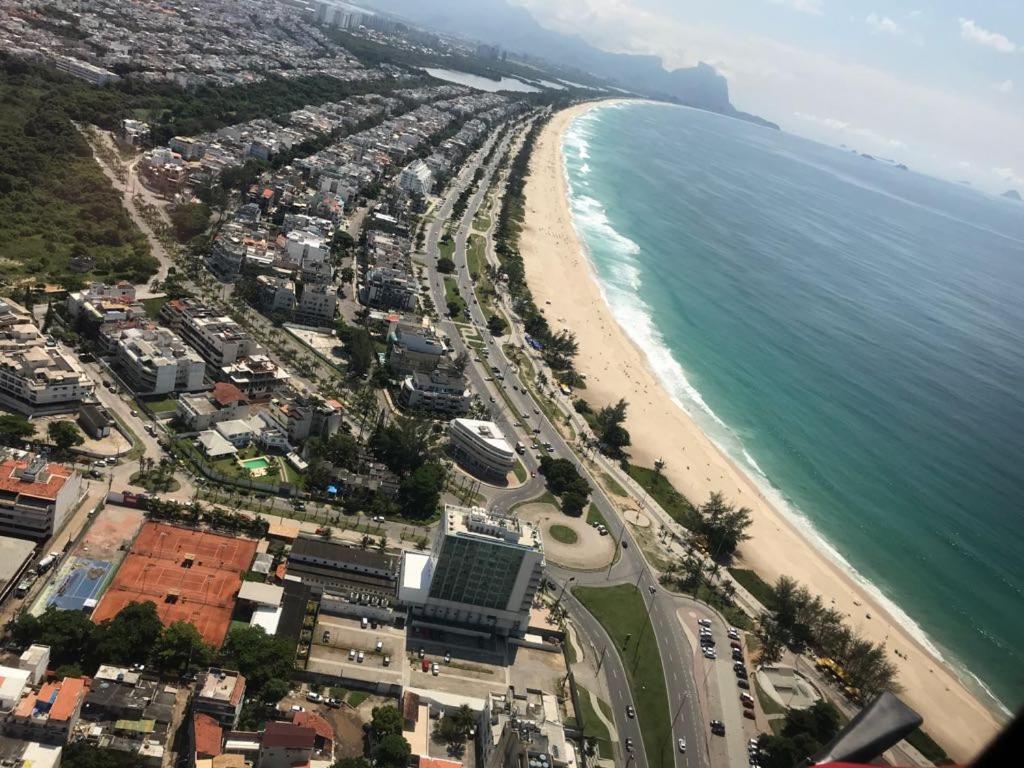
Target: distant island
[(1013, 194)]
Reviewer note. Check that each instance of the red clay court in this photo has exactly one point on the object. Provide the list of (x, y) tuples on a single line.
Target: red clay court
[(191, 576)]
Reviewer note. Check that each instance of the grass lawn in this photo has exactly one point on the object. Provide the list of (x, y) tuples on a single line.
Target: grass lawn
[(481, 222), (755, 585), (768, 704), (678, 506), (593, 726), (475, 259), (520, 471), (613, 485), (165, 405), (451, 294), (446, 248), (621, 611), (593, 516), (563, 534), (355, 698), (153, 306)]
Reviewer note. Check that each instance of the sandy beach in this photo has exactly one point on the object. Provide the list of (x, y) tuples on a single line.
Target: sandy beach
[(559, 274)]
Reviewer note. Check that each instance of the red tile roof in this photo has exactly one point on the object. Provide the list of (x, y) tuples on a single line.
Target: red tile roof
[(320, 726), (226, 393), (55, 476), (288, 735), (69, 699), (438, 762), (208, 735)]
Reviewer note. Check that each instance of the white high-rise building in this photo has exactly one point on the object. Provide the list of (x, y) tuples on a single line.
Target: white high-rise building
[(480, 576)]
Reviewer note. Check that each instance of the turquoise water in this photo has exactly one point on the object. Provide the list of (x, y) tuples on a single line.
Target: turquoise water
[(851, 333)]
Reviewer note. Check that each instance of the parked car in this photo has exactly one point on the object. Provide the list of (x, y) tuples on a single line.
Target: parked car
[(351, 654), (359, 657), (313, 696), (718, 727), (434, 669)]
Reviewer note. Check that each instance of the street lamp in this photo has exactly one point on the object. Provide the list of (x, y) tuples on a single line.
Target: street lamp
[(560, 594)]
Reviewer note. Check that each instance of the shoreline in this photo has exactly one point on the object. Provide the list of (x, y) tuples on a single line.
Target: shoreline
[(564, 283)]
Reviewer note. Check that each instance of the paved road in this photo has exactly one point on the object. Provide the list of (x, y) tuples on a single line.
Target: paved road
[(686, 681)]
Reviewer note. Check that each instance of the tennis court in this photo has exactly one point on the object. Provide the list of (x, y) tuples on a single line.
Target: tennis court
[(83, 581), (190, 575)]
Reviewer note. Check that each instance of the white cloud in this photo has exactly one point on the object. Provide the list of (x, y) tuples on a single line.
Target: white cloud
[(969, 30), (883, 24), (1010, 176), (812, 7), (852, 131), (1004, 87)]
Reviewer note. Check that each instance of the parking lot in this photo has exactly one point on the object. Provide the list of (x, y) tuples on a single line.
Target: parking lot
[(343, 647)]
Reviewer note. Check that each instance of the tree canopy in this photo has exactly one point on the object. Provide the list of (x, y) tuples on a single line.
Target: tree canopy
[(15, 429), (265, 661), (64, 435), (723, 526)]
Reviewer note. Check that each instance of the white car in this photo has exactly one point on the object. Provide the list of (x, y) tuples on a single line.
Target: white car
[(704, 623), (682, 745), (709, 653), (351, 654), (434, 670)]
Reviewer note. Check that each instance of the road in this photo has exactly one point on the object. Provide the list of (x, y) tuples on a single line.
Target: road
[(690, 679)]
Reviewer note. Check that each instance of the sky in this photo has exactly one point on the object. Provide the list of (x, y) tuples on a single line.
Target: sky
[(937, 84)]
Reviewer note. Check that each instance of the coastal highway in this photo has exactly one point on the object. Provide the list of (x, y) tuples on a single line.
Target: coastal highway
[(677, 654)]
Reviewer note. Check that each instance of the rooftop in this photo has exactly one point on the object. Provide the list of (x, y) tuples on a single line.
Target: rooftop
[(223, 686), (288, 735), (37, 478), (477, 522)]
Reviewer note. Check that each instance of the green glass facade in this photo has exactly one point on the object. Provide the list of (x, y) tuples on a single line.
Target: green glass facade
[(476, 573)]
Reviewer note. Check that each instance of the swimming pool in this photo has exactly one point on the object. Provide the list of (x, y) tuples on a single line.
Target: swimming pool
[(254, 465)]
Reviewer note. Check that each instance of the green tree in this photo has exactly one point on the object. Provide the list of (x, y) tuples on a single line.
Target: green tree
[(723, 526), (82, 754), (447, 731), (445, 265), (392, 751), (352, 762), (496, 325), (403, 445), (573, 502), (385, 720), (179, 646), (130, 636), (360, 350), (189, 220), (15, 429), (347, 275), (420, 492), (68, 633), (64, 435), (264, 660), (610, 432)]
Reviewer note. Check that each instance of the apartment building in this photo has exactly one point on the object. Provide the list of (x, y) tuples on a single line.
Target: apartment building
[(219, 339), (481, 447), (416, 178), (220, 694), (37, 375), (414, 347), (317, 305), (480, 575), (389, 288), (102, 303), (275, 294), (156, 361), (36, 496), (440, 391), (49, 716), (256, 376), (202, 410)]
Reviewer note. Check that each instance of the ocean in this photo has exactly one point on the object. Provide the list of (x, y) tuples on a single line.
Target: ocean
[(850, 332)]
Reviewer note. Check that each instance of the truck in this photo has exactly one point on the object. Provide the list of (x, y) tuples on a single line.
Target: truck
[(520, 448), (47, 562)]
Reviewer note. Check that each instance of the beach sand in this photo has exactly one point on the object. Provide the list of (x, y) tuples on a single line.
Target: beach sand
[(558, 273)]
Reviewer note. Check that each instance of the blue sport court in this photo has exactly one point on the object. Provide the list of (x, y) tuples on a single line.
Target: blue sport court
[(83, 582)]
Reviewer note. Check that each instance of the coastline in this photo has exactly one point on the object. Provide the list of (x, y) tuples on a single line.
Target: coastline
[(563, 282)]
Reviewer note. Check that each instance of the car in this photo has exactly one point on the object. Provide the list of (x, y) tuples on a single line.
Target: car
[(359, 657), (718, 727), (447, 657), (333, 703), (134, 412), (749, 714), (327, 636), (387, 660), (681, 744), (313, 696), (738, 665), (742, 683), (629, 744), (704, 623), (733, 633), (747, 703), (707, 641), (378, 518), (297, 708), (421, 653), (380, 646), (630, 712), (434, 669), (752, 744), (709, 653), (536, 411), (735, 645), (536, 430), (652, 589), (737, 655), (351, 654)]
